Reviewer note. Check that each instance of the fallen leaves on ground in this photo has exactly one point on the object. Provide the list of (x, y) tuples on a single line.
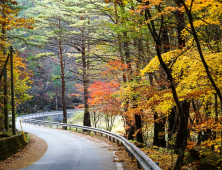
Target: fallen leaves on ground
[(165, 158)]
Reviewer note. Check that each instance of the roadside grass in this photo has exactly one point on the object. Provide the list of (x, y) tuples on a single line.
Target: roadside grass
[(27, 137), (77, 118)]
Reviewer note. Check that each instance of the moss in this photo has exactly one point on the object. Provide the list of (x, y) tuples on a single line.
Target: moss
[(10, 145), (207, 158)]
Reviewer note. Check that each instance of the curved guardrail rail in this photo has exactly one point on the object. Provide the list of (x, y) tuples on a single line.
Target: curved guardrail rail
[(134, 152)]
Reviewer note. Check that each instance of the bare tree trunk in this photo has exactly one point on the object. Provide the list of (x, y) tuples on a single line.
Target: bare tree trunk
[(132, 129), (155, 36), (173, 124), (159, 125), (86, 120), (63, 86), (6, 100), (5, 77), (156, 131), (185, 104), (63, 82), (182, 124), (180, 25)]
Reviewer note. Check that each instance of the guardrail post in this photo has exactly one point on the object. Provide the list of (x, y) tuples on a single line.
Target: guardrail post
[(106, 136), (109, 138), (76, 129), (113, 140), (117, 141), (82, 130), (129, 153), (101, 134), (88, 132), (132, 156), (157, 163), (138, 165), (70, 128), (95, 133), (57, 126)]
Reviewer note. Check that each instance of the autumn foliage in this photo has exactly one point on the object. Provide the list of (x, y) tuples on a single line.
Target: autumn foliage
[(178, 84), (158, 67), (10, 21)]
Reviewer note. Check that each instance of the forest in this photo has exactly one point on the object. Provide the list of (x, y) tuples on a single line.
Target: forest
[(155, 63)]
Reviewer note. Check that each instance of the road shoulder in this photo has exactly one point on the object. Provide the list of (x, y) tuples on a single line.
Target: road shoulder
[(26, 156)]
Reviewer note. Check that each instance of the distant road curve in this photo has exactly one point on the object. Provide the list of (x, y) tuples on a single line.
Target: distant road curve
[(67, 151), (40, 114)]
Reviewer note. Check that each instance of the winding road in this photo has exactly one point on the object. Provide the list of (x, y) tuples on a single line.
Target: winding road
[(68, 151)]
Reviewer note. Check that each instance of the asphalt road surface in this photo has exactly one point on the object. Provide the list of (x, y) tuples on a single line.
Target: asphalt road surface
[(67, 151)]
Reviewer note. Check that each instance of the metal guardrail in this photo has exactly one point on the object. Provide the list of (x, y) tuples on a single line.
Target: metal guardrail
[(134, 152), (46, 113)]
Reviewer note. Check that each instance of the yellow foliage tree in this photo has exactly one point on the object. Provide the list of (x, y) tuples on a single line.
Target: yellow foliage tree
[(10, 21)]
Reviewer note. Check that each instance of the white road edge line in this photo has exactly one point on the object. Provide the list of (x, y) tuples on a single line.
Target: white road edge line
[(118, 164)]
